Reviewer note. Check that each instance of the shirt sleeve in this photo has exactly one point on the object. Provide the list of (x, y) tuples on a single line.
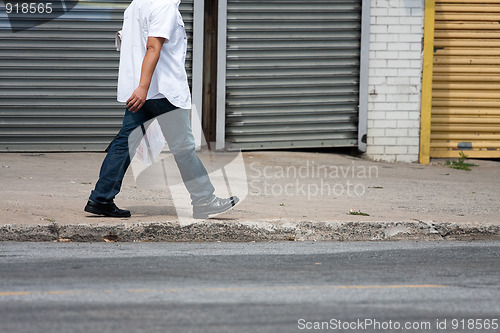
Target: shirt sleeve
[(162, 19)]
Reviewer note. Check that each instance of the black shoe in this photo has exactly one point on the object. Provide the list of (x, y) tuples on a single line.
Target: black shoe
[(109, 209), (217, 206)]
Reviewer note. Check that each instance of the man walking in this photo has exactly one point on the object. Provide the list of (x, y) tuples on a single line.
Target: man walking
[(152, 81)]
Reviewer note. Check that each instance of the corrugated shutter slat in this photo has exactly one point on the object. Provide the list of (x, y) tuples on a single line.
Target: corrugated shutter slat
[(466, 103), (292, 73), (58, 80)]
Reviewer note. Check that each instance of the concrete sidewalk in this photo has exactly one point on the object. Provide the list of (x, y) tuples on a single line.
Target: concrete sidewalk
[(291, 196)]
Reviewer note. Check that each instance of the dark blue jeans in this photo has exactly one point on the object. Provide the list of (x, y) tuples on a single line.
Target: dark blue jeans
[(177, 130)]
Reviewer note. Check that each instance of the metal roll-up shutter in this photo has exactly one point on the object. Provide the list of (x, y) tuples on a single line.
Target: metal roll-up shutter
[(58, 80), (292, 74), (465, 112)]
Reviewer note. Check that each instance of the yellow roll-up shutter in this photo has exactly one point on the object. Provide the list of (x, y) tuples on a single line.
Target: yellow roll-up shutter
[(465, 112)]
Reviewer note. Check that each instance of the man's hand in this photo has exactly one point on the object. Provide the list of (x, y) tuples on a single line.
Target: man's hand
[(153, 49), (137, 100)]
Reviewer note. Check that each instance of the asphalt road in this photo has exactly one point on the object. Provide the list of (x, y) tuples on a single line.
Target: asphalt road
[(252, 287)]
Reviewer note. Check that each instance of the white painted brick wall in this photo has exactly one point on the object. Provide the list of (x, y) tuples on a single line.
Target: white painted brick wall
[(395, 78)]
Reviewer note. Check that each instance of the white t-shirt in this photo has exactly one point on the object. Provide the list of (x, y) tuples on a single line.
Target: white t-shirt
[(154, 18)]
